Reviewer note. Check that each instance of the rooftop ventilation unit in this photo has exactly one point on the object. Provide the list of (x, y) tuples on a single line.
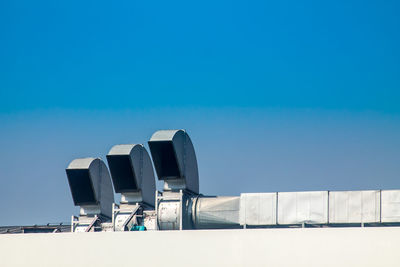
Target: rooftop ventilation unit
[(175, 160), (132, 173), (133, 176), (91, 189), (176, 164), (181, 206)]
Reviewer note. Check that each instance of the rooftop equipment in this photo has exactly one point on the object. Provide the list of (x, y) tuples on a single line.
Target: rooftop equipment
[(91, 189), (220, 212), (175, 160), (257, 209), (133, 176), (303, 207), (390, 206), (354, 206), (181, 206)]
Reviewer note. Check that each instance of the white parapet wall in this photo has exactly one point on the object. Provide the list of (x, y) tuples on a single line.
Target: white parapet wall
[(359, 246)]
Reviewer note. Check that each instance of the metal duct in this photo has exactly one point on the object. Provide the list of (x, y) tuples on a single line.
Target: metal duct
[(258, 209), (303, 207), (390, 202), (91, 186), (132, 173), (175, 160), (177, 212), (354, 206), (215, 212)]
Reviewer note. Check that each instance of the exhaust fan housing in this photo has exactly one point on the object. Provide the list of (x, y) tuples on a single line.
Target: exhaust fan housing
[(175, 160), (91, 186), (132, 173)]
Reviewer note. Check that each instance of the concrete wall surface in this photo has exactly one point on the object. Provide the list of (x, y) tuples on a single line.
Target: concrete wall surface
[(369, 246)]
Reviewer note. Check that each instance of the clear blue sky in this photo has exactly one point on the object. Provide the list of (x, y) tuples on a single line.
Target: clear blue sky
[(276, 95)]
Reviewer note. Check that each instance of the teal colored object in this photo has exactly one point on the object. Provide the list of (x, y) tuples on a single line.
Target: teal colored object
[(138, 228)]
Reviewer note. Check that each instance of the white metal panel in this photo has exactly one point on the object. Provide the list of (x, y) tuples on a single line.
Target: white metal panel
[(303, 207), (390, 201), (354, 206), (258, 209)]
